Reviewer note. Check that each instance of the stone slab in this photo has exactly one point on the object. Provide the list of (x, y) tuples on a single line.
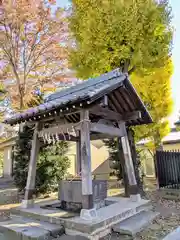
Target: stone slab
[(17, 230), (136, 223), (26, 229), (175, 235), (55, 230)]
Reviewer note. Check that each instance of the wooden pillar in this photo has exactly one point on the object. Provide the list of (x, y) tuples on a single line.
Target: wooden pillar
[(30, 185), (86, 175), (136, 161), (78, 154), (133, 189)]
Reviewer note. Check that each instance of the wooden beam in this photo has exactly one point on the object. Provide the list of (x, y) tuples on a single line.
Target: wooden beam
[(108, 130), (120, 100), (115, 103), (73, 117), (114, 116), (87, 194)]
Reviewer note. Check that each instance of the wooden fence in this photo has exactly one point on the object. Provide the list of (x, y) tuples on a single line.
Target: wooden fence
[(168, 169)]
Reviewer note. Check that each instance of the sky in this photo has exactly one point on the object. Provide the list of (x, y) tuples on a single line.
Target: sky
[(175, 81), (176, 59)]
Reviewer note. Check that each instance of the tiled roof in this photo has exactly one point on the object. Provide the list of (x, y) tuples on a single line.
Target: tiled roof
[(88, 91)]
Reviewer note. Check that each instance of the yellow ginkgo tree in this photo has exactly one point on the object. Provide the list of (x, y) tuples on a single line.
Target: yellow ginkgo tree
[(154, 87)]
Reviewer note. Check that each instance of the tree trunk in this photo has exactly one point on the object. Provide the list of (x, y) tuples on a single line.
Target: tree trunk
[(21, 101)]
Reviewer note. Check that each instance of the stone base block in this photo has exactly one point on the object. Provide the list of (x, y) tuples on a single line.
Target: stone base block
[(88, 214), (135, 198), (27, 203), (92, 228)]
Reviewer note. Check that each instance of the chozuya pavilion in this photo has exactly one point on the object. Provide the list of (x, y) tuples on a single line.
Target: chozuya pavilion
[(99, 108)]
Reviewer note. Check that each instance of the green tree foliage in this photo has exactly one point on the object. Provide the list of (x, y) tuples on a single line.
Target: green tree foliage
[(22, 152), (115, 164), (135, 36), (51, 166), (128, 34)]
